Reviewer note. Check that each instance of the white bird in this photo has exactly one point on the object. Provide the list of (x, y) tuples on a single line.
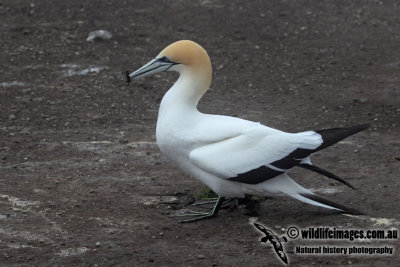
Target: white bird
[(230, 155)]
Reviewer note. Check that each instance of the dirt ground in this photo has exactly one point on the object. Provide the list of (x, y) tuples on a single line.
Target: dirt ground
[(82, 181)]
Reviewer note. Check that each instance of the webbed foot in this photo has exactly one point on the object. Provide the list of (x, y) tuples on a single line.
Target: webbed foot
[(193, 216)]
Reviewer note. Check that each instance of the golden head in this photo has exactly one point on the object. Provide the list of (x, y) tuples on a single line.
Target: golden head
[(187, 53), (180, 56)]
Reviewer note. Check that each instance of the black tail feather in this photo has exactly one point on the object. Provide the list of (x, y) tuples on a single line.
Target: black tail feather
[(324, 172), (334, 135), (330, 203)]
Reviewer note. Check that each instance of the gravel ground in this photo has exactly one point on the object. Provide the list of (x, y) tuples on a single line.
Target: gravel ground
[(82, 181)]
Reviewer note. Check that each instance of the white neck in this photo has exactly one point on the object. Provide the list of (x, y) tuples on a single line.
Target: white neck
[(185, 94)]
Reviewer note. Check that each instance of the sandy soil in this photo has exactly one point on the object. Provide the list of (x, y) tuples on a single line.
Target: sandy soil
[(82, 181)]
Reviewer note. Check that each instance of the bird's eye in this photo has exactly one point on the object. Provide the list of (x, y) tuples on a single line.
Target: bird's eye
[(164, 59)]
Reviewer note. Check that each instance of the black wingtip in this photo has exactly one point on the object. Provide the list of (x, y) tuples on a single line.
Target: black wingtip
[(326, 173), (332, 204), (334, 135), (359, 128), (259, 226), (128, 78)]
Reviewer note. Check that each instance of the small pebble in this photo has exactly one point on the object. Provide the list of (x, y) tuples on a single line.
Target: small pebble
[(201, 256), (99, 35)]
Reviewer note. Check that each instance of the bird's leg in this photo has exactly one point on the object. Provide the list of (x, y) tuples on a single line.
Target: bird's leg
[(193, 216), (209, 203), (205, 203), (231, 204)]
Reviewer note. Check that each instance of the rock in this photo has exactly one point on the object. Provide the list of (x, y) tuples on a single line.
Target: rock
[(201, 256), (99, 35)]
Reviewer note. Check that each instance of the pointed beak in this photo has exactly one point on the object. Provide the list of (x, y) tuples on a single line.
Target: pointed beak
[(154, 66)]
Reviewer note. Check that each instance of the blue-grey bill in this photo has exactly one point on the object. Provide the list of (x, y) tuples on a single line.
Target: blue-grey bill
[(150, 68)]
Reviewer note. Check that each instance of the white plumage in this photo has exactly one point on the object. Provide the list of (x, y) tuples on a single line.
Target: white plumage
[(232, 156)]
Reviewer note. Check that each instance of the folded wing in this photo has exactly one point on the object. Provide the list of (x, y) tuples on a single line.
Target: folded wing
[(256, 155)]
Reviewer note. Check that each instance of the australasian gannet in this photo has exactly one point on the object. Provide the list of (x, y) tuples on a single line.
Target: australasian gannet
[(230, 155)]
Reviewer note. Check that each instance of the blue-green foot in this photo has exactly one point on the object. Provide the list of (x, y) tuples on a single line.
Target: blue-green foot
[(193, 216)]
